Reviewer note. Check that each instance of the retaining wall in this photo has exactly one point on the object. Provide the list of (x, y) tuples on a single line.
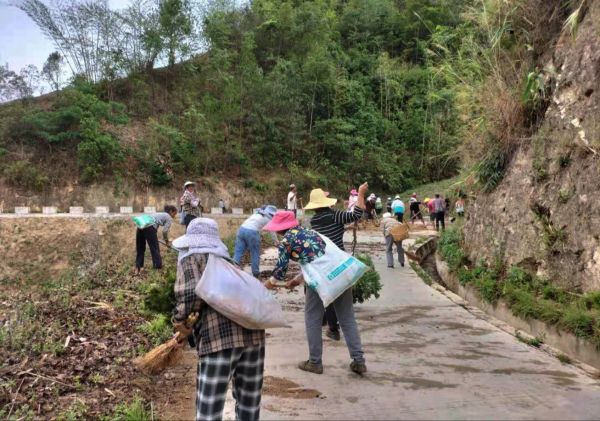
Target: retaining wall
[(566, 342)]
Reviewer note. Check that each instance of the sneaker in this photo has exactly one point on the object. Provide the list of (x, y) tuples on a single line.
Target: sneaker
[(391, 267), (311, 367), (358, 367), (333, 334)]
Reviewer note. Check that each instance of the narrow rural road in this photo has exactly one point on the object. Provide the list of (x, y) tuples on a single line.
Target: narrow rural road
[(428, 358)]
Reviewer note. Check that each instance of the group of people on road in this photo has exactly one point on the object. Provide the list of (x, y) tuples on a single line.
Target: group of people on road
[(229, 352)]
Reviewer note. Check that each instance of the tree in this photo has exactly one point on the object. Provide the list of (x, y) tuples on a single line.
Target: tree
[(52, 70), (175, 28), (18, 86)]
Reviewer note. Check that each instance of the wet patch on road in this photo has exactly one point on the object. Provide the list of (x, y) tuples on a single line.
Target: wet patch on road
[(560, 378), (416, 383)]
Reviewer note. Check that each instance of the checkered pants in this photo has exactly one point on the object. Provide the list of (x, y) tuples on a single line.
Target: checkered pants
[(244, 366)]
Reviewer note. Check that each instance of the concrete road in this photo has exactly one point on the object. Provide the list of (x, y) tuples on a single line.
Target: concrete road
[(427, 358)]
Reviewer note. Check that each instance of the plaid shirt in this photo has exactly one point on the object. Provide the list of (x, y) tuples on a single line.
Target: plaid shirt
[(190, 203), (213, 331)]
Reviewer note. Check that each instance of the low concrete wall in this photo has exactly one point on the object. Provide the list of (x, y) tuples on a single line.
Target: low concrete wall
[(566, 342)]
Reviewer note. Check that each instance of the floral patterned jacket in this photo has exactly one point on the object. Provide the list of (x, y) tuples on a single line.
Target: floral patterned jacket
[(300, 245)]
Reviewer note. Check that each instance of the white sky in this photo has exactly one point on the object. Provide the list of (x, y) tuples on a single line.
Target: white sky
[(21, 42)]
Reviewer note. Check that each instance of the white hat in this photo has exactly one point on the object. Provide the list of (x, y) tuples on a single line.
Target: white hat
[(201, 233), (387, 215), (188, 183)]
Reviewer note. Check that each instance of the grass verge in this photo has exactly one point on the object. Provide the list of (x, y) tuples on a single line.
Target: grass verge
[(527, 295)]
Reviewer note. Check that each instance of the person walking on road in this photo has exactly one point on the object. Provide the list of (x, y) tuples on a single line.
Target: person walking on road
[(439, 210), (227, 351), (398, 208), (292, 199), (190, 203), (388, 223), (330, 223), (248, 237), (305, 245), (148, 233)]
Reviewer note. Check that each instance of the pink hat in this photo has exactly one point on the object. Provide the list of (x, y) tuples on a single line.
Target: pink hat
[(283, 220), (353, 192)]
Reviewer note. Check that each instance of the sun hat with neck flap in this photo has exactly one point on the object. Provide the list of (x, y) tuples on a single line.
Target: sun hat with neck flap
[(202, 236), (319, 199), (282, 220)]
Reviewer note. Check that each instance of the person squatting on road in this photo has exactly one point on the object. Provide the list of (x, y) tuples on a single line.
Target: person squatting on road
[(331, 224), (388, 223), (190, 203), (305, 245), (227, 351), (248, 237), (149, 235)]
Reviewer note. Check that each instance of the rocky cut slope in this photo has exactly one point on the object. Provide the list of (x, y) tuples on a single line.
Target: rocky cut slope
[(545, 214)]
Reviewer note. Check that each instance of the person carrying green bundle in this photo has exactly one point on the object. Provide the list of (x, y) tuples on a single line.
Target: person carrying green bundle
[(147, 232)]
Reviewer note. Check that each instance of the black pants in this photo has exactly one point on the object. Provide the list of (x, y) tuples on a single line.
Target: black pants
[(331, 318), (400, 217), (143, 236), (188, 218), (439, 219)]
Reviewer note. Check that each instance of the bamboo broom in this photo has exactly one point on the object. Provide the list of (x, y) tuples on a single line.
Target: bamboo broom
[(164, 355)]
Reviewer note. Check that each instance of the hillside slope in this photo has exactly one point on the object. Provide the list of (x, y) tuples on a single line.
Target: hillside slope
[(545, 214)]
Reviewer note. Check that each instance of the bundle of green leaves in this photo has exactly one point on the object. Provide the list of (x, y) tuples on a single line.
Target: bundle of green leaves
[(369, 284)]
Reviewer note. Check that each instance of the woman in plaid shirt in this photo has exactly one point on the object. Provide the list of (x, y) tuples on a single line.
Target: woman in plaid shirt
[(227, 351)]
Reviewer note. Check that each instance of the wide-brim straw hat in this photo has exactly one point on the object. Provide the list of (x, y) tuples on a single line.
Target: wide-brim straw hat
[(319, 199), (188, 183), (397, 196), (200, 233), (283, 220)]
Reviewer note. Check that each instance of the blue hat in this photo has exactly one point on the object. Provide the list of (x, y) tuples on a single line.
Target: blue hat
[(268, 210)]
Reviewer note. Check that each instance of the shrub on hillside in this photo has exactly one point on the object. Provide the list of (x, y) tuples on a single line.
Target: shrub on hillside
[(25, 175), (369, 284)]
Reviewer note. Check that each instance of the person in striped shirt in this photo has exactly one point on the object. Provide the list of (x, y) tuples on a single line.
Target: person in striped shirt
[(331, 223)]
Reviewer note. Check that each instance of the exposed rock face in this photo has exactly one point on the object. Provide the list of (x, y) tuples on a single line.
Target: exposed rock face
[(545, 214)]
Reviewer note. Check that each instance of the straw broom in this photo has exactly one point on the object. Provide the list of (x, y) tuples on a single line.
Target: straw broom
[(164, 355)]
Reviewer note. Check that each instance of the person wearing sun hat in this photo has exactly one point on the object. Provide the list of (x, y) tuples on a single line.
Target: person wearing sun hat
[(331, 224), (388, 222), (226, 350), (190, 203), (305, 245), (248, 237)]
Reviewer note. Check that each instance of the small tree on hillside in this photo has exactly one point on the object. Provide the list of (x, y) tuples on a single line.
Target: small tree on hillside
[(52, 70)]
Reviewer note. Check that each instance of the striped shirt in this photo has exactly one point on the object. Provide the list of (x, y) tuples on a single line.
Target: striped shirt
[(213, 331), (330, 223)]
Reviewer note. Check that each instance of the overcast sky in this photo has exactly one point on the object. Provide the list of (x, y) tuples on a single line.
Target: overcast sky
[(21, 42)]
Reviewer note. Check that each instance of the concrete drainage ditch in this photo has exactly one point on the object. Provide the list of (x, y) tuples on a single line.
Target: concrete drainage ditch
[(556, 342)]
